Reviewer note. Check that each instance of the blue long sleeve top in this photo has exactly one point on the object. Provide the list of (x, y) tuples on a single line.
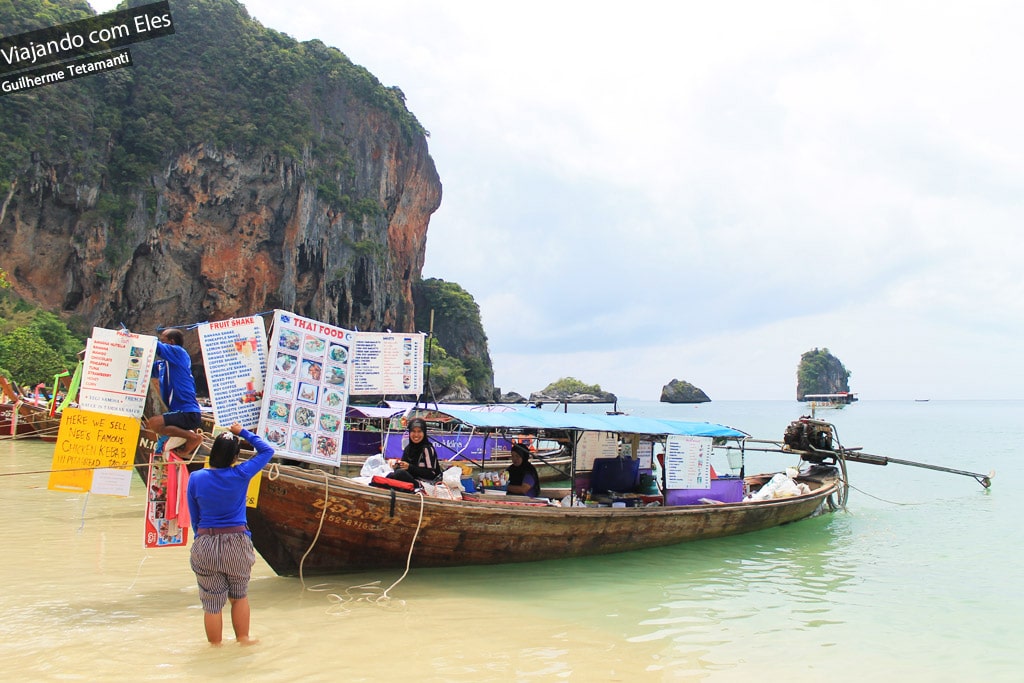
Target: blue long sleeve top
[(216, 496), (177, 385)]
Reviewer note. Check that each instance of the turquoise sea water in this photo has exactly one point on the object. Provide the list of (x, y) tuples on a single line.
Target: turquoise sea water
[(918, 580)]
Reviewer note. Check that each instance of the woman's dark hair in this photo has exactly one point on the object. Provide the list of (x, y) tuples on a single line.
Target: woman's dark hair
[(224, 450)]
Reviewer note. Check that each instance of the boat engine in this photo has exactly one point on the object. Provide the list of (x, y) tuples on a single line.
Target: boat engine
[(813, 437)]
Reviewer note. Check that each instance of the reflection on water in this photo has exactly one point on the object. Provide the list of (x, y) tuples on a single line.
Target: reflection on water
[(924, 591)]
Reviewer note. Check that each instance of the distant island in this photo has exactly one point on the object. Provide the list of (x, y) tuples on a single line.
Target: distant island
[(820, 373), (678, 391), (564, 390)]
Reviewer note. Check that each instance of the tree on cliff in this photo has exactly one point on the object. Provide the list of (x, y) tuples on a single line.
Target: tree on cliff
[(820, 372), (570, 388), (458, 328)]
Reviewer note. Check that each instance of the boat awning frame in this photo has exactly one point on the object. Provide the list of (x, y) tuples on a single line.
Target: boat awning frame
[(622, 424)]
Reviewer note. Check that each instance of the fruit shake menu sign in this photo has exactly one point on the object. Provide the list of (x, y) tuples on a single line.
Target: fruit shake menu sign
[(235, 355), (115, 378), (386, 363), (306, 389)]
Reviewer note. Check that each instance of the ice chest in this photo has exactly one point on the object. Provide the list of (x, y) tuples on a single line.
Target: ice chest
[(615, 474), (725, 490)]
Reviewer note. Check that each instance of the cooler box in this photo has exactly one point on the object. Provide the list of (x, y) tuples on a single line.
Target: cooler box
[(725, 490), (615, 474)]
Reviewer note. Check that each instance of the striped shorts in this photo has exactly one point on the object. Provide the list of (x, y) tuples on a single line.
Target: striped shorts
[(223, 564)]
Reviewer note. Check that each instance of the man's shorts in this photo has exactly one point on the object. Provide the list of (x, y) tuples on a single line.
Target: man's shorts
[(187, 421)]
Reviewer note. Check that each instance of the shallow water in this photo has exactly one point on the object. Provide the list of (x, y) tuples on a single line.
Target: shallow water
[(919, 579)]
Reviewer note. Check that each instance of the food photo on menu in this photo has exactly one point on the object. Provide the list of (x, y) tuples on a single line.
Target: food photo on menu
[(338, 353), (278, 411), (286, 362), (309, 393), (290, 340), (314, 346)]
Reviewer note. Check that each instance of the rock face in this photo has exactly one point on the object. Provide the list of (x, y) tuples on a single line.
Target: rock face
[(820, 372), (678, 391), (223, 228)]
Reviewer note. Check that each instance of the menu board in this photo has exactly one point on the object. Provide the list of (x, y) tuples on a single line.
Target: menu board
[(94, 453), (387, 363), (688, 462), (594, 445), (235, 355), (306, 390), (117, 370)]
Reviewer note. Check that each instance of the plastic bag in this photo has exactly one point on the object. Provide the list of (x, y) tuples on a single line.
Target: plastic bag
[(375, 466), (453, 478), (779, 486)]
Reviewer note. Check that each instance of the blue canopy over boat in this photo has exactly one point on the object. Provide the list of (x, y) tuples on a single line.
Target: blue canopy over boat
[(623, 424)]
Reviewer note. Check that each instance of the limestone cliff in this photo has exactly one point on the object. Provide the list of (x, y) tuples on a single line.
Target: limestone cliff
[(230, 171)]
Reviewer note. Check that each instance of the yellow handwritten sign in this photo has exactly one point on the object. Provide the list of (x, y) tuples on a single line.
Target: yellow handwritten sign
[(252, 495), (90, 442)]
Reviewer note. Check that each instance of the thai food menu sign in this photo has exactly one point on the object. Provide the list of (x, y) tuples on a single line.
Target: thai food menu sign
[(306, 389), (235, 355), (118, 365), (387, 363), (688, 462)]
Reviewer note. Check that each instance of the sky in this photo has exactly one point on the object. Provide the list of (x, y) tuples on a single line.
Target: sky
[(647, 191)]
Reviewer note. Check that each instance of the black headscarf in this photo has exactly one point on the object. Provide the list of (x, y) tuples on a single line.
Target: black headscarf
[(516, 473)]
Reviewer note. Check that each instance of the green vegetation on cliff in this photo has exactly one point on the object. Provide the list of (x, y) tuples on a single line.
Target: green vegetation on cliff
[(457, 326), (34, 345), (820, 372), (222, 79)]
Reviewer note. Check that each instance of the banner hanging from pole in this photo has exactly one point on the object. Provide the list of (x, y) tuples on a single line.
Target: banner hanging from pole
[(235, 357), (303, 410)]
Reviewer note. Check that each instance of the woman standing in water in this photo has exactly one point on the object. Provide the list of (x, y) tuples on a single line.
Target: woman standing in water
[(222, 553)]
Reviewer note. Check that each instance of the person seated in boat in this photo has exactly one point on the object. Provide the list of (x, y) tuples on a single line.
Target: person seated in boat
[(419, 458), (523, 479)]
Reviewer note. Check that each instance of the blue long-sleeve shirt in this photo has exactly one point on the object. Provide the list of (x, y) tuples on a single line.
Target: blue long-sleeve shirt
[(216, 496), (177, 386)]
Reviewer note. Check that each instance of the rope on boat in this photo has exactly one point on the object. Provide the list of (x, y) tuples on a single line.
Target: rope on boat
[(408, 558), (369, 590), (323, 515)]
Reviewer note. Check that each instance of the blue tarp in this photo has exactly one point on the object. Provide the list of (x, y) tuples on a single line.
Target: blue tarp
[(622, 424)]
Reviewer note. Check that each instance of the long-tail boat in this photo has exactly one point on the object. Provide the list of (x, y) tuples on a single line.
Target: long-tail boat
[(314, 522)]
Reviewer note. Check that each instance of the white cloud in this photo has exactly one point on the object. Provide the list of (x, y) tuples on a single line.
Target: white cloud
[(707, 190)]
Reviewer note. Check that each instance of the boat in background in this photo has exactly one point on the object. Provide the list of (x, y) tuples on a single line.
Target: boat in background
[(24, 415)]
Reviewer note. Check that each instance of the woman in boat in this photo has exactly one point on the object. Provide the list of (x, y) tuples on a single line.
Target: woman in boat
[(419, 459), (222, 554), (523, 479)]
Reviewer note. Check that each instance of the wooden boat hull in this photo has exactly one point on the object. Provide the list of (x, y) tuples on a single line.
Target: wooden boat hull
[(371, 528), (33, 422)]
